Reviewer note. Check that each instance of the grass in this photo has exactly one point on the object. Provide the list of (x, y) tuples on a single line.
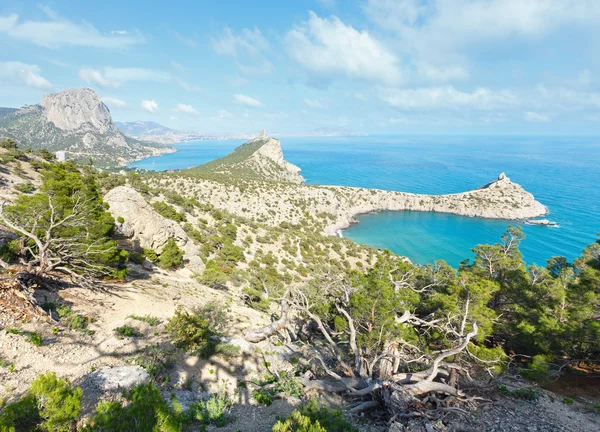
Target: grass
[(33, 338), (524, 393), (126, 331), (149, 319)]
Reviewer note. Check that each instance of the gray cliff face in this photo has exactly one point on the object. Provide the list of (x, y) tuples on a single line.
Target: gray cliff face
[(76, 121), (73, 109)]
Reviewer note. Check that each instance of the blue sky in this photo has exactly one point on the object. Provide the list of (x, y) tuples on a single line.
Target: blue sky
[(374, 66)]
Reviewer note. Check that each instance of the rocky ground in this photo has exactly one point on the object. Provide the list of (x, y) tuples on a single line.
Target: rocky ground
[(79, 356)]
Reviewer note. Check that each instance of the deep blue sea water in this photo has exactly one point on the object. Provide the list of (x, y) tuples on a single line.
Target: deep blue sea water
[(562, 172)]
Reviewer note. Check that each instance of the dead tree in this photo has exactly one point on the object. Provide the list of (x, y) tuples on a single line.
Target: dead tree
[(393, 374)]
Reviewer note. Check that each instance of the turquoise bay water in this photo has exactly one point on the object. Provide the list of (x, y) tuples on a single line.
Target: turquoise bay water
[(562, 173)]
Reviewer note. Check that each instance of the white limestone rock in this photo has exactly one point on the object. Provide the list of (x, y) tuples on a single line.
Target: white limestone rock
[(118, 378), (145, 226)]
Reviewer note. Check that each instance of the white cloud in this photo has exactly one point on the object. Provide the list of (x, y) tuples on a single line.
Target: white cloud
[(313, 103), (248, 101), (447, 98), (186, 86), (238, 82), (185, 109), (437, 36), (114, 102), (136, 74), (329, 48), (448, 73), (185, 40), (223, 114), (458, 21), (248, 48), (178, 66), (93, 76), (24, 74), (149, 105), (111, 77), (56, 31), (532, 116)]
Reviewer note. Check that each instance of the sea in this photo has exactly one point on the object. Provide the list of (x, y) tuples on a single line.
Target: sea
[(563, 173)]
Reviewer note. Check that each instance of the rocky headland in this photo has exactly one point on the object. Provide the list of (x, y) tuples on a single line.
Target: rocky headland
[(256, 182)]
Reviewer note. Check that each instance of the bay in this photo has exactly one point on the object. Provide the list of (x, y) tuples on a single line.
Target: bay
[(562, 172)]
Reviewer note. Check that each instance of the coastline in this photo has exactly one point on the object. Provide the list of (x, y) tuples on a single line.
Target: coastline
[(487, 202)]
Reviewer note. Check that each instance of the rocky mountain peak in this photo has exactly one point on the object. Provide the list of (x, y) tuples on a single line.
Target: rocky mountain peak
[(73, 109)]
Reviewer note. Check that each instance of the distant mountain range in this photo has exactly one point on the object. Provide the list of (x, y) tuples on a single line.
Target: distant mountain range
[(76, 121), (149, 131)]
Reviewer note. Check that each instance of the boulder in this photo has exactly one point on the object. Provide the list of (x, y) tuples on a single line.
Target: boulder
[(142, 222), (118, 378), (146, 227)]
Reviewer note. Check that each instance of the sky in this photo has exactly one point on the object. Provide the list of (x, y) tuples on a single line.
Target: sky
[(368, 66)]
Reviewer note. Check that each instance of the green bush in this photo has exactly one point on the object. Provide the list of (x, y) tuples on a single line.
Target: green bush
[(168, 211), (213, 411), (51, 404), (150, 255), (59, 404), (146, 411), (192, 332), (213, 276), (26, 187), (34, 338), (537, 369), (72, 320), (126, 331), (171, 256), (138, 257), (297, 422), (149, 319), (332, 420)]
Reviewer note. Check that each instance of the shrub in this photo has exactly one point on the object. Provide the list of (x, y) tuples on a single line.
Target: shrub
[(297, 422), (8, 143), (171, 256), (168, 211), (150, 255), (137, 257), (146, 411), (332, 420), (155, 360), (72, 320), (537, 369), (263, 397), (26, 187), (213, 276), (149, 319), (58, 402), (213, 411), (51, 404), (34, 338), (192, 332), (120, 219), (126, 331)]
